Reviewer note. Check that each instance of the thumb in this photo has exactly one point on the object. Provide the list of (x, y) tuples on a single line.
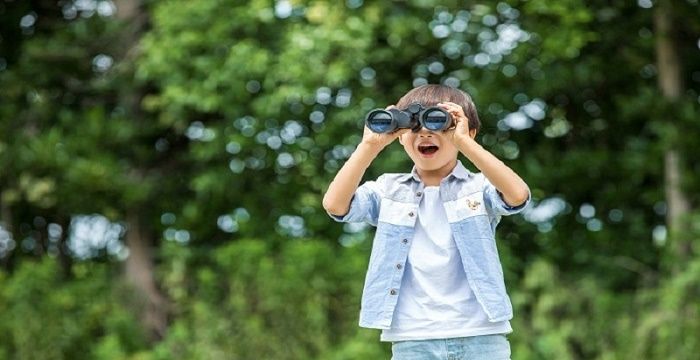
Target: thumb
[(401, 132)]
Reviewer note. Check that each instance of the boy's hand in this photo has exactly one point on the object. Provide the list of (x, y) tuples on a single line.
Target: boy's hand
[(379, 141), (459, 132)]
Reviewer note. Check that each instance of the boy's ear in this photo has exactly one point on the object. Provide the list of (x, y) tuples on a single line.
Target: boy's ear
[(472, 133)]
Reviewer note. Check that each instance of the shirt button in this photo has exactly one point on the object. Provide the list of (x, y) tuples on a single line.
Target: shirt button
[(399, 266), (392, 292), (411, 214), (405, 241), (419, 194)]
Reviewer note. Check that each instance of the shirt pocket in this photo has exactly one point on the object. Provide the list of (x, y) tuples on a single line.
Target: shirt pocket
[(466, 206), (398, 213), (470, 212)]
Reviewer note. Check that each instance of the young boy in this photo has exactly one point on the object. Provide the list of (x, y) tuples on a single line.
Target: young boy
[(434, 284)]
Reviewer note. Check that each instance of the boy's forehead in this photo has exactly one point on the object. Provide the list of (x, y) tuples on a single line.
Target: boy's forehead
[(426, 100)]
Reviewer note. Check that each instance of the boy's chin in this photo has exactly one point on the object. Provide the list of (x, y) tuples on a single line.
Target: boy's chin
[(431, 164)]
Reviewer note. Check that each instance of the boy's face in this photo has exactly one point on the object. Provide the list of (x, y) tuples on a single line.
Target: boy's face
[(430, 150)]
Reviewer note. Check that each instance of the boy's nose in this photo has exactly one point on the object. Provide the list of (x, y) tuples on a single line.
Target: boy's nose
[(425, 132)]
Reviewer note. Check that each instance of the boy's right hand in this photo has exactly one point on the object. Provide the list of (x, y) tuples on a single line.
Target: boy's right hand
[(379, 141)]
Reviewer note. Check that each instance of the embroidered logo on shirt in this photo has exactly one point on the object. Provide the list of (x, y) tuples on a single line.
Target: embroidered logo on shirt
[(473, 204)]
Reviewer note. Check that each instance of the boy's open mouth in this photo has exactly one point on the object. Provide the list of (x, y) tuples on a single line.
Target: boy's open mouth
[(427, 149)]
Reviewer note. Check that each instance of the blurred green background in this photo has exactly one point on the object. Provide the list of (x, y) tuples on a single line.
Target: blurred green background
[(162, 165)]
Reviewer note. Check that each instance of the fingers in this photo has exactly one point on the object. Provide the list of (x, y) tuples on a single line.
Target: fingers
[(455, 110), (450, 105)]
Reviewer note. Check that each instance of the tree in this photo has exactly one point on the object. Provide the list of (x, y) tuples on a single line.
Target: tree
[(671, 87)]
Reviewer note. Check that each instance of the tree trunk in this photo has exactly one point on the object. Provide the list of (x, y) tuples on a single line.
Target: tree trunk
[(139, 265), (140, 274), (6, 223), (64, 257), (671, 86)]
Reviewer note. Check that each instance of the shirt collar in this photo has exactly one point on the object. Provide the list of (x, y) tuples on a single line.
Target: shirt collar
[(459, 172)]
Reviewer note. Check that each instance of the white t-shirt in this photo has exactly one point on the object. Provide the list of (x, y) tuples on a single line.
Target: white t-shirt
[(436, 301)]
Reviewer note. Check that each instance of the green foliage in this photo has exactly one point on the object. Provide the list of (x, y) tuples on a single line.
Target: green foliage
[(668, 326), (46, 316), (559, 316), (564, 317), (297, 302)]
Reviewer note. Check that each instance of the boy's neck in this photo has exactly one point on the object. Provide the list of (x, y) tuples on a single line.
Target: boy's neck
[(433, 177)]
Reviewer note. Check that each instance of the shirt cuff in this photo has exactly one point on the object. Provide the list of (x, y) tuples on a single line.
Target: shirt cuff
[(338, 218), (510, 210)]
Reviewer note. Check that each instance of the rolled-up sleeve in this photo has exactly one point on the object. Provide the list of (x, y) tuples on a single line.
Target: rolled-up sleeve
[(364, 206), (495, 203)]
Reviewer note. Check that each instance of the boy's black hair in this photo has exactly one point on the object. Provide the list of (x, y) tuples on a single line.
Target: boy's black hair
[(432, 94)]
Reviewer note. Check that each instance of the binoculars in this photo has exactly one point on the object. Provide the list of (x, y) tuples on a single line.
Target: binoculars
[(385, 121)]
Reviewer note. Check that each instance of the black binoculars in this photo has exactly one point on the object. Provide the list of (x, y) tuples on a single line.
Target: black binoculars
[(385, 121)]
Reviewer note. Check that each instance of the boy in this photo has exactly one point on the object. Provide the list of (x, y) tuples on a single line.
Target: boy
[(434, 283)]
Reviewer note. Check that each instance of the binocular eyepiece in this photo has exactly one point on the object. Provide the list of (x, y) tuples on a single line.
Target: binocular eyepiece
[(385, 121)]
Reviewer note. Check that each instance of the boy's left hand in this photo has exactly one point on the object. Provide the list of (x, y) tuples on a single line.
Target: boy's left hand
[(459, 132)]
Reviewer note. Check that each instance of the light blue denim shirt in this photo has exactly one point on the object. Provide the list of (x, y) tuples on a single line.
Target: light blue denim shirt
[(473, 206)]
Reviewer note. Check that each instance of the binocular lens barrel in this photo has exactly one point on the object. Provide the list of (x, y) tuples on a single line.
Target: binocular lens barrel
[(435, 119), (380, 121)]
